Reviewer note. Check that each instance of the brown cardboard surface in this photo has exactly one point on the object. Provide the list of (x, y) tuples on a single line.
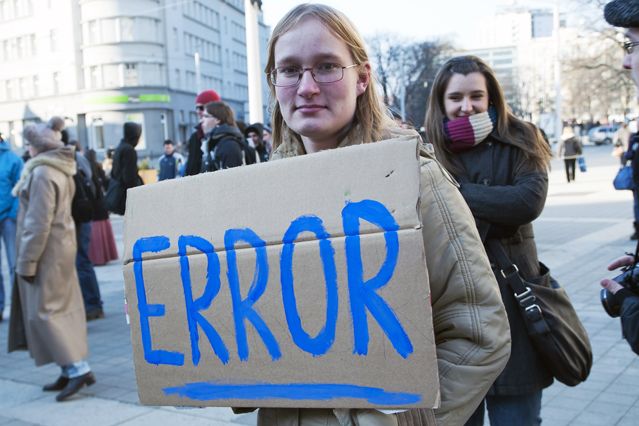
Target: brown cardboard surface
[(292, 372)]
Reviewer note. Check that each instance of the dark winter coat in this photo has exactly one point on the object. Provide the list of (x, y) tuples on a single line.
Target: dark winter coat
[(224, 149), (194, 161), (505, 194), (629, 314)]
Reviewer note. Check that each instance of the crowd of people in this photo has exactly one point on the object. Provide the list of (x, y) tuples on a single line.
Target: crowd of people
[(483, 180)]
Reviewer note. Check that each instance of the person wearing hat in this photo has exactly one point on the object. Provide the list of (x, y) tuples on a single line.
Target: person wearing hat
[(254, 133), (47, 313), (10, 169), (194, 160), (625, 14)]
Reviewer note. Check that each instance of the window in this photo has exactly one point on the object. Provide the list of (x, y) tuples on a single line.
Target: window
[(94, 75), (94, 32), (36, 86), (32, 43), (56, 83), (178, 79), (110, 75), (109, 33), (9, 89), (126, 29), (53, 39), (130, 75)]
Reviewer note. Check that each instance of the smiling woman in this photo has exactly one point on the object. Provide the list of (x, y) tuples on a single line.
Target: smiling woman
[(501, 163)]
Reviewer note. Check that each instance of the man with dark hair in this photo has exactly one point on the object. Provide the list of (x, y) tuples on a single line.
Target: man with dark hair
[(625, 14), (194, 161), (255, 133), (169, 163)]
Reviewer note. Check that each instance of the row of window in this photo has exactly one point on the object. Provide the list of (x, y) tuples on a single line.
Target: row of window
[(13, 9), (239, 62), (198, 11), (27, 87), (124, 75), (123, 28), (208, 51), (190, 82)]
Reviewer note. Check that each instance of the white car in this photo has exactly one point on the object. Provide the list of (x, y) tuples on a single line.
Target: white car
[(603, 134)]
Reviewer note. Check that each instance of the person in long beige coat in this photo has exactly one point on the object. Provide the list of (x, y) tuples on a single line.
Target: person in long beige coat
[(47, 312), (324, 98)]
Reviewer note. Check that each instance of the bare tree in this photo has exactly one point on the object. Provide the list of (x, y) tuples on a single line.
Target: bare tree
[(406, 70)]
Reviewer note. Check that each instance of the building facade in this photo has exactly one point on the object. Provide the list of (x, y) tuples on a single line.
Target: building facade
[(99, 63)]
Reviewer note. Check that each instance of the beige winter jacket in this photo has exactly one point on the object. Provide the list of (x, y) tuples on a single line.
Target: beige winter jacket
[(47, 316), (471, 328)]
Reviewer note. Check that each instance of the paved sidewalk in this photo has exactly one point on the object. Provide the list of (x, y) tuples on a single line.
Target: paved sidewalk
[(584, 226)]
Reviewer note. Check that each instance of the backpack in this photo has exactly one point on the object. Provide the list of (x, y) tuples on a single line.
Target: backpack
[(83, 199)]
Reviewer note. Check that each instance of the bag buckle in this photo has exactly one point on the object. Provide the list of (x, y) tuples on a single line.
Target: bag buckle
[(533, 312), (515, 270)]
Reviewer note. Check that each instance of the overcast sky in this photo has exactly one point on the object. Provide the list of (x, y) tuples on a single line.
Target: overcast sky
[(416, 19)]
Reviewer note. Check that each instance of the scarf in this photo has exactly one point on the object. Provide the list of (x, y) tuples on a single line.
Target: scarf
[(466, 132), (65, 165)]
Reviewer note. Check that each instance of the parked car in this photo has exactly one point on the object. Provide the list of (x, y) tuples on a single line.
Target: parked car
[(603, 134)]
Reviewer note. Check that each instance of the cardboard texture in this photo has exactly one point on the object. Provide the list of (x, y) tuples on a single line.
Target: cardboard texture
[(294, 283)]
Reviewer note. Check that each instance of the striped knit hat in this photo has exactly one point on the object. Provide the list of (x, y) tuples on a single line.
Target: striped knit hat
[(466, 132), (622, 13)]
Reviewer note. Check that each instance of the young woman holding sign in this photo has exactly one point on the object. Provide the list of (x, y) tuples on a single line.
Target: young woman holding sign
[(501, 163), (324, 97)]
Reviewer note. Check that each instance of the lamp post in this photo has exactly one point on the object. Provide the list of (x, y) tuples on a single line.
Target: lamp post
[(558, 121), (251, 11)]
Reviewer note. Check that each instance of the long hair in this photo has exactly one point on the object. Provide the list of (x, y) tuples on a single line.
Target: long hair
[(508, 127), (222, 112), (369, 112)]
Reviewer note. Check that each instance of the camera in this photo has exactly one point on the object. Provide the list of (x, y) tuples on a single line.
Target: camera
[(629, 278)]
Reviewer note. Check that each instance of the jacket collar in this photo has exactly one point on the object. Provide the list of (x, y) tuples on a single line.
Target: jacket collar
[(61, 159)]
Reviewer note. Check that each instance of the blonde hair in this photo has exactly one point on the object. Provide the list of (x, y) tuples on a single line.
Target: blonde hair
[(508, 127), (369, 112)]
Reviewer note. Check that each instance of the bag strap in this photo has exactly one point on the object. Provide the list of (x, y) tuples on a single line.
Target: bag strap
[(523, 294)]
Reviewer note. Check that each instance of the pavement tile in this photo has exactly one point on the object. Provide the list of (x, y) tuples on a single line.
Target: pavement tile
[(14, 394), (164, 418), (102, 412)]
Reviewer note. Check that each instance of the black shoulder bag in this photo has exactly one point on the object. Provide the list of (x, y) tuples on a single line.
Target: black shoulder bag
[(552, 323)]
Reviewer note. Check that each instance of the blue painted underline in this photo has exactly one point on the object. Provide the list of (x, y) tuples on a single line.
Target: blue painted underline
[(204, 391)]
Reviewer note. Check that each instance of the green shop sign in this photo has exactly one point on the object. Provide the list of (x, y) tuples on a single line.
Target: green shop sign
[(131, 99)]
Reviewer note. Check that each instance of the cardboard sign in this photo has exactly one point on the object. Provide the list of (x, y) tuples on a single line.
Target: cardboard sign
[(293, 283)]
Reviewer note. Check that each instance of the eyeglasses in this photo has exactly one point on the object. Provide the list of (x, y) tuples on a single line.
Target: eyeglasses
[(199, 107), (323, 73), (629, 46)]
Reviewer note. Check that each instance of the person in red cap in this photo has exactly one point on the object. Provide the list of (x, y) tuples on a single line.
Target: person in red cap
[(194, 162)]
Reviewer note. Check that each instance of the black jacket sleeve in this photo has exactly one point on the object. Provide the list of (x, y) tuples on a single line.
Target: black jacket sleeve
[(630, 318), (511, 205), (228, 154), (194, 162), (129, 168)]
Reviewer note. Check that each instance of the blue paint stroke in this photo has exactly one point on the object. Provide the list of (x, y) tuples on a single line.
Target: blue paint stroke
[(211, 289), (362, 293), (157, 356), (204, 391), (321, 343), (243, 309)]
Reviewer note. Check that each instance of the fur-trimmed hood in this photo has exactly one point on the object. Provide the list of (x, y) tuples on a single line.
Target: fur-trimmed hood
[(62, 159)]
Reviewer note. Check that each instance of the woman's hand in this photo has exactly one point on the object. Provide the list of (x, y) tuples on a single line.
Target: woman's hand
[(613, 286)]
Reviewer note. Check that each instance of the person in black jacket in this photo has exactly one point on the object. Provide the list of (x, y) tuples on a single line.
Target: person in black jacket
[(125, 162), (194, 160), (255, 132), (501, 164), (628, 302), (223, 145)]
